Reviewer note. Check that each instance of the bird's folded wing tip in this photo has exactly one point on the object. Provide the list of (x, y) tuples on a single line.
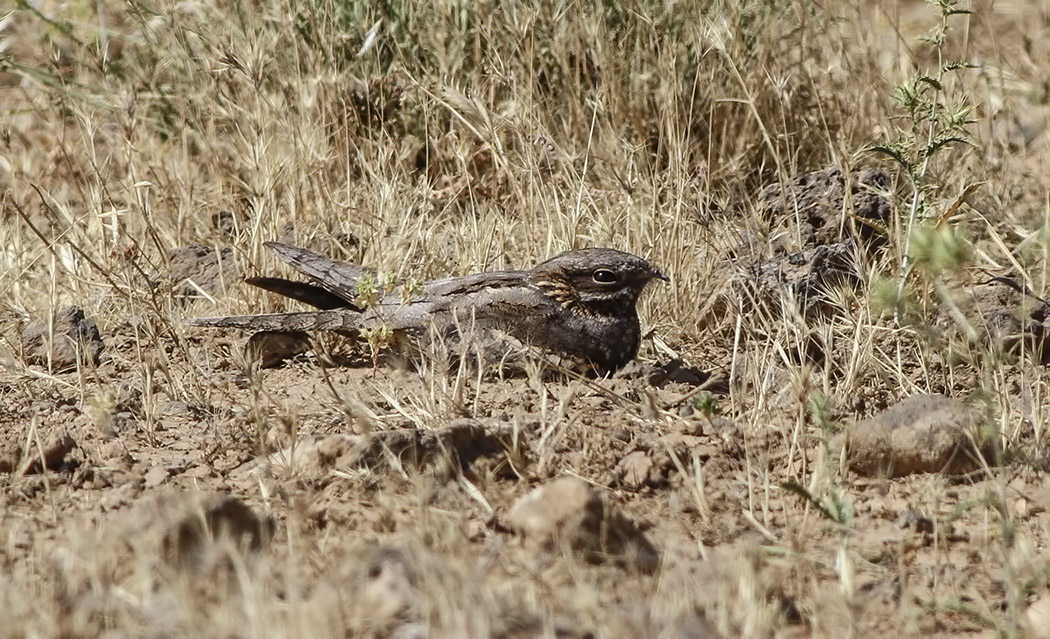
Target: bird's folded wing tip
[(202, 321)]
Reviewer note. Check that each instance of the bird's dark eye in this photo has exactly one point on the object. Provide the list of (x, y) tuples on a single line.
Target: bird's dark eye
[(604, 276)]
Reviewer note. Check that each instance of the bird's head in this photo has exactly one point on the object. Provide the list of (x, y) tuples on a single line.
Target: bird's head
[(597, 280)]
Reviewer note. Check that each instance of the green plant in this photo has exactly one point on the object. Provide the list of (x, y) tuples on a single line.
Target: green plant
[(934, 121)]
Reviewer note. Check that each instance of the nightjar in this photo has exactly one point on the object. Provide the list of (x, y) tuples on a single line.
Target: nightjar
[(578, 306)]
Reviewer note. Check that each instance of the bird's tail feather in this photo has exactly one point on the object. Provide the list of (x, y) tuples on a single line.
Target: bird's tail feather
[(315, 296), (340, 278)]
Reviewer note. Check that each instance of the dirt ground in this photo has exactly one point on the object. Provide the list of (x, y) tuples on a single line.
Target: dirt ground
[(836, 424), (341, 529)]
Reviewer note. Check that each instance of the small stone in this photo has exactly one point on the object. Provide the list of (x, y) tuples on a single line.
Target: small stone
[(921, 434), (635, 468), (653, 462), (270, 348), (676, 371), (568, 512), (122, 422), (207, 518), (197, 268), (115, 455), (155, 476), (68, 339), (176, 407), (199, 472), (56, 447), (1038, 618)]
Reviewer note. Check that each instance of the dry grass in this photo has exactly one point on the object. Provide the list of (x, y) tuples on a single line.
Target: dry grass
[(428, 139)]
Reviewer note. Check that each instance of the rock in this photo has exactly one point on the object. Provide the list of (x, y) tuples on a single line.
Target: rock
[(210, 270), (818, 226), (190, 529), (155, 476), (677, 371), (635, 469), (270, 348), (569, 513), (177, 407), (921, 434), (812, 206), (1002, 311), (114, 454), (122, 422), (56, 446), (652, 462), (200, 471), (465, 439), (1038, 618), (70, 339), (806, 276)]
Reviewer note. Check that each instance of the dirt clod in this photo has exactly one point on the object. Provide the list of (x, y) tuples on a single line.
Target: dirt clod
[(51, 454), (197, 268), (464, 439), (270, 348), (818, 225), (1038, 618), (676, 371), (655, 460), (635, 469), (198, 522), (68, 338), (568, 512), (1002, 313), (816, 206), (921, 434)]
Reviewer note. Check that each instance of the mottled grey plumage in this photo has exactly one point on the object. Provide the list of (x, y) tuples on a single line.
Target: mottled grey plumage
[(579, 305)]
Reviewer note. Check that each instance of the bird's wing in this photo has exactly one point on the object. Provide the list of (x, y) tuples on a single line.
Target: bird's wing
[(473, 284), (339, 278), (487, 300), (333, 320)]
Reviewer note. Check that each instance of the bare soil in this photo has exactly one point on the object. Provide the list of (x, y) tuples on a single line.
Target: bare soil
[(95, 492), (154, 482)]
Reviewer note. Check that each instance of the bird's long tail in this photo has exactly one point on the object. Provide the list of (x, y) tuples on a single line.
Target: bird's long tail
[(339, 278), (335, 320), (315, 296)]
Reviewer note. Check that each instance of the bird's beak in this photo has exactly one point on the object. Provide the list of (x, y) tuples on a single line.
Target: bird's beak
[(657, 275)]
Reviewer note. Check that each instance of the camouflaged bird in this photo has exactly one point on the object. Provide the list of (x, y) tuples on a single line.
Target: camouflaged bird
[(579, 305)]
